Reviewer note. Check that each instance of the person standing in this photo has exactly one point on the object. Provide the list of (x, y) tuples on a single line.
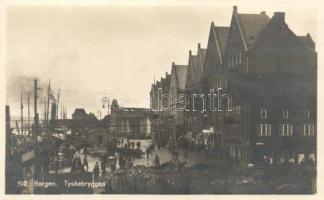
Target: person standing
[(85, 162), (147, 153), (96, 171), (74, 164), (85, 151), (103, 164), (81, 166), (121, 162), (156, 160)]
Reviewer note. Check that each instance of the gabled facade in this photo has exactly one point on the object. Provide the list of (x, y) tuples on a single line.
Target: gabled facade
[(160, 118), (269, 72), (212, 81), (178, 101), (193, 115)]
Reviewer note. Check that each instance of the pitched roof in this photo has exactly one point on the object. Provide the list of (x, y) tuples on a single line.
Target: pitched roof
[(276, 37), (307, 42), (80, 111), (252, 25), (201, 55), (221, 34), (181, 75), (195, 61)]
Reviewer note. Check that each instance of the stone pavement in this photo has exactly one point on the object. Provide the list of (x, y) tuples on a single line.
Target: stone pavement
[(164, 155)]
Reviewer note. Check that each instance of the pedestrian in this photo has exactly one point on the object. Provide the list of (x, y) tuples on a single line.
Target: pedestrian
[(56, 162), (103, 164), (113, 163), (156, 160), (96, 171), (121, 162), (147, 153), (74, 165), (130, 162), (85, 162), (153, 147), (79, 164), (85, 151)]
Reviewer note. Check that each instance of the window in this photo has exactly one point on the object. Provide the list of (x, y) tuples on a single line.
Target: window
[(238, 110), (307, 114), (232, 61), (220, 83), (286, 129), (236, 60), (264, 130), (285, 114), (308, 130), (240, 58), (229, 63), (264, 113)]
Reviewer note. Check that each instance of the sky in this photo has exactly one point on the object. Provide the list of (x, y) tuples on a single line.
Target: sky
[(91, 52)]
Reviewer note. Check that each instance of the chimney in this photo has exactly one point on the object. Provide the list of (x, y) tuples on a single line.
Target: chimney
[(198, 45), (173, 64), (235, 9), (279, 16), (190, 53), (166, 74), (263, 13)]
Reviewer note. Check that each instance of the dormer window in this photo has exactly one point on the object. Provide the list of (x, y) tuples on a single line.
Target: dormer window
[(263, 113), (285, 114)]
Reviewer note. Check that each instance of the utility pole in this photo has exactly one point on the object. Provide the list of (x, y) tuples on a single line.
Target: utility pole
[(48, 102), (35, 111), (58, 103), (17, 127), (65, 112), (35, 134), (61, 111), (28, 114), (108, 106), (44, 123), (21, 114)]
